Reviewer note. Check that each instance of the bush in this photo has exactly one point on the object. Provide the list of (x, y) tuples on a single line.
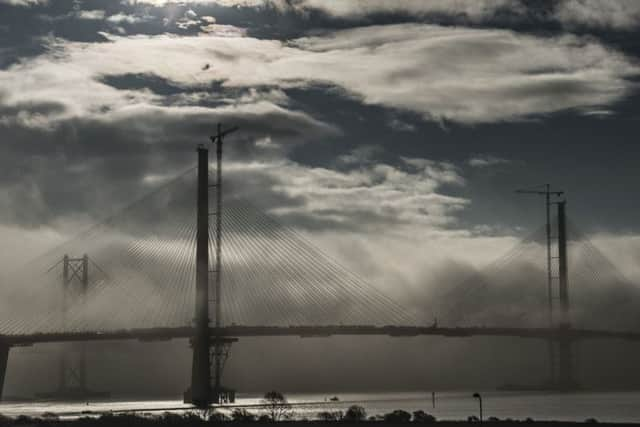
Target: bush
[(591, 420), (355, 413), (23, 419), (397, 416), (422, 417)]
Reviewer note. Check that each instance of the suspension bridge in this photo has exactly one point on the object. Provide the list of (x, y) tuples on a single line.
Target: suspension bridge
[(150, 272)]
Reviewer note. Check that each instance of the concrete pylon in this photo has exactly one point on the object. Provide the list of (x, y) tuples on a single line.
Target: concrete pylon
[(565, 379), (200, 393)]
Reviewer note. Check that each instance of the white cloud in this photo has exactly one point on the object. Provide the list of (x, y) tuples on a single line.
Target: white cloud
[(474, 10), (469, 75), (610, 14), (463, 75), (67, 84), (220, 30), (23, 2), (119, 18), (188, 20), (607, 14), (486, 161), (96, 14), (370, 197), (225, 3)]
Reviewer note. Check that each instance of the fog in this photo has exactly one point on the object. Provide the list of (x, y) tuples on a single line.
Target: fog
[(511, 291)]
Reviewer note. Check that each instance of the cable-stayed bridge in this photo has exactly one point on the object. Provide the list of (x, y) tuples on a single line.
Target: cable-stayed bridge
[(173, 265)]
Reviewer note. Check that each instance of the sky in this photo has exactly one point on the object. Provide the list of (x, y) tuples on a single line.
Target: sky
[(391, 134)]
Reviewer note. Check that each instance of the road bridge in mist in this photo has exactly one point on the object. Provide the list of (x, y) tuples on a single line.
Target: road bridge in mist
[(149, 273), (162, 334)]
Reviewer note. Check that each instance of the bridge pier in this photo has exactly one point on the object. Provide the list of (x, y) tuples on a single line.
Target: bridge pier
[(4, 358)]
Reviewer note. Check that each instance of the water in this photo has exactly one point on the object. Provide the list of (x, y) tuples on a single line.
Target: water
[(612, 407)]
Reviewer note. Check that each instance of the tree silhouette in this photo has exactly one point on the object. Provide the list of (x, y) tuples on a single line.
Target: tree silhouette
[(397, 416), (277, 405), (420, 416), (355, 413)]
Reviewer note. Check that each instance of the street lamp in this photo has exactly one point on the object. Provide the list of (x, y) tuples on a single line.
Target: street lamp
[(477, 396)]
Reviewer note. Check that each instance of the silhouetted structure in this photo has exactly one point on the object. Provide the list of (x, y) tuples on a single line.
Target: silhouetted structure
[(211, 344), (72, 380), (565, 379), (548, 193), (201, 394)]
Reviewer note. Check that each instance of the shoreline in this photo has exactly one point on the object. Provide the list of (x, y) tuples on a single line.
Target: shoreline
[(193, 419)]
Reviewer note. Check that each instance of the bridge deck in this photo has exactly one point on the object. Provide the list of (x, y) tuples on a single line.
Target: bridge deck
[(158, 334)]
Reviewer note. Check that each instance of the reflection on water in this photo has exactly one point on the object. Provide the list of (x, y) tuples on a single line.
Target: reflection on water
[(614, 407)]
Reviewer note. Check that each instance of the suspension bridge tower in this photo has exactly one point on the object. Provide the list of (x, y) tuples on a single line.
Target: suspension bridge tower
[(209, 346), (561, 369), (72, 379)]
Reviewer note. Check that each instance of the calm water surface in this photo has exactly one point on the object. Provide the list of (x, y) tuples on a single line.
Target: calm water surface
[(614, 407)]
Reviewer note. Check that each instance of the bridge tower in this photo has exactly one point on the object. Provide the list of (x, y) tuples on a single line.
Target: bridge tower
[(548, 193), (73, 370), (205, 349), (200, 392), (565, 379), (72, 380)]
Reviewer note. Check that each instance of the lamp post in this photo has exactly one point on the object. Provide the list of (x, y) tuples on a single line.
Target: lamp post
[(477, 396)]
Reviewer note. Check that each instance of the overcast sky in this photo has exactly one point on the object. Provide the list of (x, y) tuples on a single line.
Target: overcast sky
[(385, 129), (391, 133)]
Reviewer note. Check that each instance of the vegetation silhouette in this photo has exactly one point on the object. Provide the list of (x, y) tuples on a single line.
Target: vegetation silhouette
[(242, 415), (277, 406), (420, 416), (397, 416), (355, 413)]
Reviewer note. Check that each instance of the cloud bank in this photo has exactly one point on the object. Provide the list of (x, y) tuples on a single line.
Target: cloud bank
[(461, 75)]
